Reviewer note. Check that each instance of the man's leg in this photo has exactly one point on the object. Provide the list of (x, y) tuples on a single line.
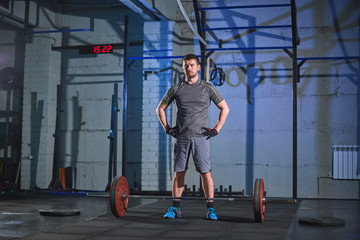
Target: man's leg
[(208, 187), (178, 184), (181, 149)]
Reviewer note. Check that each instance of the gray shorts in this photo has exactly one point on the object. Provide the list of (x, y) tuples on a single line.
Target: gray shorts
[(198, 147)]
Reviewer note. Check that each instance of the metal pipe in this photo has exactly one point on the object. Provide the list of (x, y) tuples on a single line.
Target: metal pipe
[(159, 57), (158, 50), (113, 138), (213, 35), (92, 17), (7, 121), (114, 45), (26, 15), (115, 129), (246, 6), (232, 198), (246, 48), (187, 198), (294, 97), (214, 49), (204, 59), (190, 24), (126, 48), (86, 5), (57, 136), (61, 30), (328, 58), (248, 27), (200, 24), (229, 198), (55, 182)]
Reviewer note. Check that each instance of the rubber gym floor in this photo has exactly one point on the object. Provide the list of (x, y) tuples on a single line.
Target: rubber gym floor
[(20, 219)]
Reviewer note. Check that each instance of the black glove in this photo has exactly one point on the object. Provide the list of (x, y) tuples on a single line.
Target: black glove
[(209, 132), (173, 132)]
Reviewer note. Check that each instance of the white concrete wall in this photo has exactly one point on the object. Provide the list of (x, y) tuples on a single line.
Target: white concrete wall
[(266, 144), (156, 155), (88, 84), (255, 142), (41, 76), (39, 108)]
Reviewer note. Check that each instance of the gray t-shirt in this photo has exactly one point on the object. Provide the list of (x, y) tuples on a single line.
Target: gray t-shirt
[(193, 102)]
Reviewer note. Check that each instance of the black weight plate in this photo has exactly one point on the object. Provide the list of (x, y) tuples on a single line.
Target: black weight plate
[(59, 212), (322, 221)]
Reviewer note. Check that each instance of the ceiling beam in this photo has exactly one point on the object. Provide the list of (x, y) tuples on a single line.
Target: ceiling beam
[(144, 10)]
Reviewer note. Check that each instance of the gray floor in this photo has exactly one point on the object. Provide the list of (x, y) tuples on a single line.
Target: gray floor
[(348, 210), (19, 219)]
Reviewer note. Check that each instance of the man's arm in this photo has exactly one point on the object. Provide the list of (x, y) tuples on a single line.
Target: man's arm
[(160, 111), (224, 111)]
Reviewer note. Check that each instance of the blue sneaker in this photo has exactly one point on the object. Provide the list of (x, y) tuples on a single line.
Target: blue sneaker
[(173, 212), (211, 214)]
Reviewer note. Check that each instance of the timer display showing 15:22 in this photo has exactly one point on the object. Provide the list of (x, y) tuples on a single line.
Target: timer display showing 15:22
[(96, 49)]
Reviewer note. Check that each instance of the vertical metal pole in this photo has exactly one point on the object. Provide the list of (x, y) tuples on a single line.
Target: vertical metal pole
[(200, 23), (203, 48), (27, 12), (115, 129), (55, 182), (295, 77), (7, 121), (57, 134), (113, 137), (126, 47), (92, 17)]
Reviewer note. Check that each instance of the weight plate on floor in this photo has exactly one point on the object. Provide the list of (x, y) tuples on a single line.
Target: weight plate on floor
[(322, 221), (121, 188), (259, 200), (112, 196), (59, 212)]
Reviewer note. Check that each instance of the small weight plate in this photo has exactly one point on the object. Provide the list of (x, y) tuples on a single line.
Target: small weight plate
[(59, 212), (112, 196), (121, 202), (322, 221), (259, 200)]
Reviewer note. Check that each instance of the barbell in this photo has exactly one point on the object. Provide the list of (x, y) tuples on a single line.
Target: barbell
[(119, 197)]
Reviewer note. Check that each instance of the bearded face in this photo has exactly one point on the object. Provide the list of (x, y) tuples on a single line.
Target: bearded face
[(191, 68)]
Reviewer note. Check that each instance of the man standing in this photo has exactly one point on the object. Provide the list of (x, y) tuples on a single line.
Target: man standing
[(191, 133)]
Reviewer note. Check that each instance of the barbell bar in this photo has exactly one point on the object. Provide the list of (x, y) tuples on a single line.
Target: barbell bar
[(119, 198)]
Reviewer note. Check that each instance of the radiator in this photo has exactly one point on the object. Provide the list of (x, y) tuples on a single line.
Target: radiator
[(346, 162)]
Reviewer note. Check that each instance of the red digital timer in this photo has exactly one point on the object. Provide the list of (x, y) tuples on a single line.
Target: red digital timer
[(96, 49), (102, 49)]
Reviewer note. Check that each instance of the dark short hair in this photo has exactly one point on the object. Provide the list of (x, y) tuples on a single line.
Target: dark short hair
[(190, 56)]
